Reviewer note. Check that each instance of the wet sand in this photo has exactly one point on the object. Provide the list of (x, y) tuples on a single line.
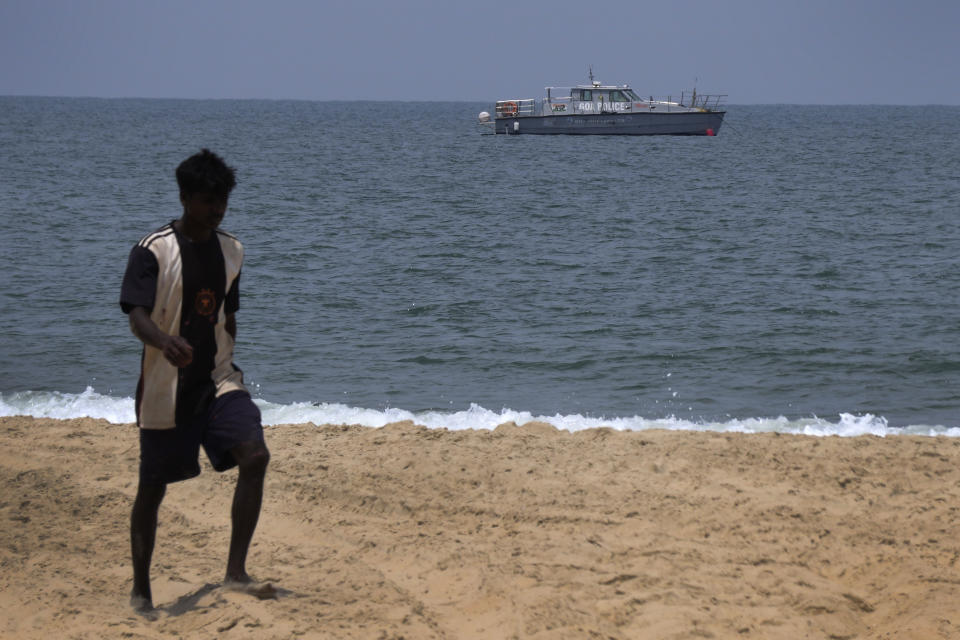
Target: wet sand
[(522, 532)]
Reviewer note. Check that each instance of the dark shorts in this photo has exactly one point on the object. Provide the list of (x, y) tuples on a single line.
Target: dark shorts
[(171, 455)]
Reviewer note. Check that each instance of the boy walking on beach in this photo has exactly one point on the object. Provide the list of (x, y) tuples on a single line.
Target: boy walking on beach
[(181, 292)]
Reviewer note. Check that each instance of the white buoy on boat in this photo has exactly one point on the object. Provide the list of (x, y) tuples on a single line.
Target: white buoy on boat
[(484, 116)]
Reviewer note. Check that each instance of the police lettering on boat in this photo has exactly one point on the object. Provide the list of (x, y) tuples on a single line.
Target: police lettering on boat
[(598, 109)]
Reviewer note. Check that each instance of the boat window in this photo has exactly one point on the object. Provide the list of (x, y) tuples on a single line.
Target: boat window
[(617, 96), (631, 95), (586, 95)]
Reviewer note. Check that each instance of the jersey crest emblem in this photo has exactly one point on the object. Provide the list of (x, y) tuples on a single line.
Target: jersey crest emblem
[(206, 302)]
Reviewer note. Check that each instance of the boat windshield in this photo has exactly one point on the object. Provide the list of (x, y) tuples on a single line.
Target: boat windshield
[(624, 94)]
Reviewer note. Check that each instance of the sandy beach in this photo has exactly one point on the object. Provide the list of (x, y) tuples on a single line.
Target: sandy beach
[(521, 532)]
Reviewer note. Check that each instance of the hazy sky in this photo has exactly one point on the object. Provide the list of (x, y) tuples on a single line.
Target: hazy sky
[(758, 52)]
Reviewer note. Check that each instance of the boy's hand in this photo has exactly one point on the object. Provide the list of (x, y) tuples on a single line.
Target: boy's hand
[(177, 351)]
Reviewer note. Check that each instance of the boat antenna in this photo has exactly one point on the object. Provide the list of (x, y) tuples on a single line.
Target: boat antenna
[(591, 74)]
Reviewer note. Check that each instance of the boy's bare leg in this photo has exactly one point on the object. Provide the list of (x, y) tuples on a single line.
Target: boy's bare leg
[(252, 459), (143, 535)]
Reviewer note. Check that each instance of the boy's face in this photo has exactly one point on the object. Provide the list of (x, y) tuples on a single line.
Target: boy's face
[(203, 210)]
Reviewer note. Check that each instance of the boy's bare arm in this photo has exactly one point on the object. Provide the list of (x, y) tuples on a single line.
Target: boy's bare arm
[(176, 349)]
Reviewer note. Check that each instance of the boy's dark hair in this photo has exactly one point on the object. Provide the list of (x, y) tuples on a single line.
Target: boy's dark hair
[(205, 172)]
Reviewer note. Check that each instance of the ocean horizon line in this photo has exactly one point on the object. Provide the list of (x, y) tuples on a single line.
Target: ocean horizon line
[(445, 100)]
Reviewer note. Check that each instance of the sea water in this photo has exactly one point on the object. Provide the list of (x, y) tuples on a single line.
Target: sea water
[(796, 273)]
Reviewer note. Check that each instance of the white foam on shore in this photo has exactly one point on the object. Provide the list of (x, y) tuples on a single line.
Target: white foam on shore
[(90, 404), (54, 404)]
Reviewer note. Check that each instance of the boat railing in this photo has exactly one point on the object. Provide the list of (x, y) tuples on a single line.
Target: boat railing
[(703, 101), (516, 108)]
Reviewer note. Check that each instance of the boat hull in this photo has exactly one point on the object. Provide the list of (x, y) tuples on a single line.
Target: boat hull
[(692, 123)]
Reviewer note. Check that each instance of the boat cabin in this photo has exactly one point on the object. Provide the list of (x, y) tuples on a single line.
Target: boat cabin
[(594, 99)]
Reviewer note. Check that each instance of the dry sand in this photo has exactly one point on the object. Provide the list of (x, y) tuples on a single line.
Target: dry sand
[(523, 532)]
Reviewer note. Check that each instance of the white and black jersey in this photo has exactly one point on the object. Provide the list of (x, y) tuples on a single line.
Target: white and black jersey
[(189, 288)]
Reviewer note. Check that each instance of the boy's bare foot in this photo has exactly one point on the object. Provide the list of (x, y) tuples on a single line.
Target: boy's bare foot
[(246, 584)]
